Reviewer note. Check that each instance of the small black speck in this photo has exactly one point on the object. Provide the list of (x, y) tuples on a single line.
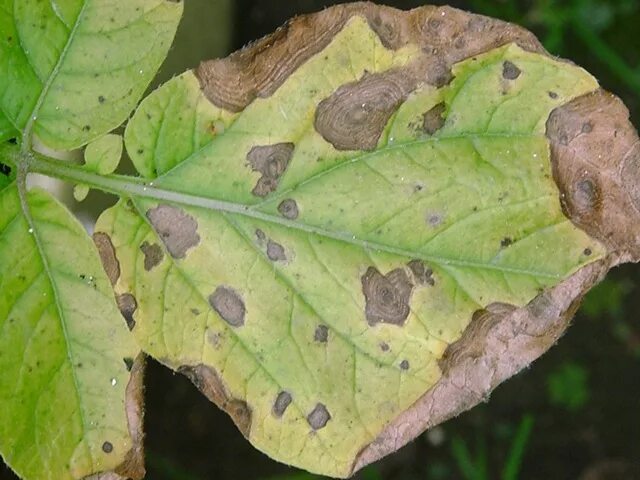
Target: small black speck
[(588, 252), (101, 99), (128, 361), (86, 128), (13, 141), (5, 169), (553, 95), (506, 242), (107, 447), (140, 151), (404, 365)]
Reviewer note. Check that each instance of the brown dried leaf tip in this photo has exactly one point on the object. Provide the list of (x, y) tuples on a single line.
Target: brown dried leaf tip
[(595, 154)]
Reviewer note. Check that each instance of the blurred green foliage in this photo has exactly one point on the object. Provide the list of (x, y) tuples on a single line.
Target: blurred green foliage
[(568, 387)]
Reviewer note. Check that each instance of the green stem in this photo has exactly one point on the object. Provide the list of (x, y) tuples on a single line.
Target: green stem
[(608, 56)]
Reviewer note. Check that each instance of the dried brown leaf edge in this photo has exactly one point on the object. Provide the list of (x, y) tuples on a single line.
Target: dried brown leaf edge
[(596, 164)]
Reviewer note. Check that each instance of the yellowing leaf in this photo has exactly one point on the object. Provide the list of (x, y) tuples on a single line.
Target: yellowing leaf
[(310, 265)]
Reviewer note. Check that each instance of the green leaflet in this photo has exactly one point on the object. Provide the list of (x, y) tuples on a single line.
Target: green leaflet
[(6, 129), (261, 254), (70, 71), (73, 70), (103, 155), (63, 346)]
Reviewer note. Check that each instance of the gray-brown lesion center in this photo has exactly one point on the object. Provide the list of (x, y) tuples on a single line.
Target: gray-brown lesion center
[(388, 297)]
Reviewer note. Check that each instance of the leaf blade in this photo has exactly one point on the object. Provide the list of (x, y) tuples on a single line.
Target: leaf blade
[(52, 85), (63, 391)]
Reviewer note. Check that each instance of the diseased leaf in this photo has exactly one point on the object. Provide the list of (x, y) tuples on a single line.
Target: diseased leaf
[(71, 71), (359, 226), (68, 408)]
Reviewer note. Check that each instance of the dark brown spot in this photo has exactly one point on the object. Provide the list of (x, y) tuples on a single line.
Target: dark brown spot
[(434, 120), (355, 115), (101, 99), (281, 404), (108, 257), (229, 305), (404, 365), (107, 447), (209, 383), (260, 235), (86, 128), (128, 305), (289, 209), (384, 346), (387, 297), (587, 252), (271, 161), (322, 334), (177, 229), (506, 242), (553, 95), (421, 274), (128, 362), (275, 252), (5, 170), (153, 255), (319, 417), (510, 71)]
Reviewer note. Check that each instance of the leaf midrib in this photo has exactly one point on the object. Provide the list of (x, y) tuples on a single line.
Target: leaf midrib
[(125, 186), (27, 135)]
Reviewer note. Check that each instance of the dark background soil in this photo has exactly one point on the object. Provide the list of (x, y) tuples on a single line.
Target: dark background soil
[(583, 396)]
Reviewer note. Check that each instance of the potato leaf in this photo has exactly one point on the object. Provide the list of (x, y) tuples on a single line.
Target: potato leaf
[(357, 227)]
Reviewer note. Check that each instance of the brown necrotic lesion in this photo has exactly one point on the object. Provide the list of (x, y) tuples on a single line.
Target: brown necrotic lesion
[(271, 161), (356, 114)]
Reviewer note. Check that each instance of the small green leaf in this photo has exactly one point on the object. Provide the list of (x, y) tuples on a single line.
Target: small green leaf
[(309, 264), (63, 346), (80, 192), (73, 70), (103, 155)]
